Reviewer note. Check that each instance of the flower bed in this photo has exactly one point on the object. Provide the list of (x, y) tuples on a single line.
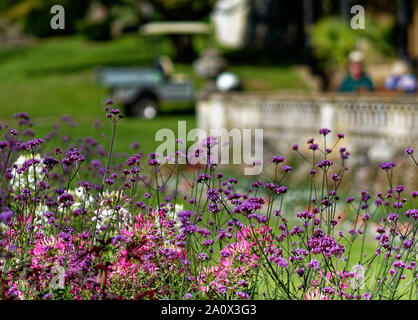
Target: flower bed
[(81, 224)]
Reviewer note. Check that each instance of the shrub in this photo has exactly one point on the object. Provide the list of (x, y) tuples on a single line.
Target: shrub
[(333, 39), (96, 30)]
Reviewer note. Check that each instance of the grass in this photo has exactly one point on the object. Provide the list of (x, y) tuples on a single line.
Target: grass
[(127, 131), (56, 76)]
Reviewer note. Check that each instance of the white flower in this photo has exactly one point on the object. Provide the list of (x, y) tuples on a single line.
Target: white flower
[(28, 177), (108, 215)]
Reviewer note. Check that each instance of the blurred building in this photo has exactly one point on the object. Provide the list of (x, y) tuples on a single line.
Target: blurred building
[(281, 25), (258, 24)]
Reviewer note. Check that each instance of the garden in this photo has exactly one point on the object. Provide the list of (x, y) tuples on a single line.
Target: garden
[(89, 210), (81, 221)]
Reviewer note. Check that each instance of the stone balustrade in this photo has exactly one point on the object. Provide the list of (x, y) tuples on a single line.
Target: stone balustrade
[(375, 125)]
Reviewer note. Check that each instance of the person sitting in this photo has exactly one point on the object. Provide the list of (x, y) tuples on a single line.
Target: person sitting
[(401, 78), (356, 80), (164, 65)]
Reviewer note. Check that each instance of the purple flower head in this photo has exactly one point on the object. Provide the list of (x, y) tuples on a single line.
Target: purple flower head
[(153, 161), (314, 264), (28, 133), (3, 144), (256, 163), (208, 242), (296, 230), (21, 115), (277, 159), (32, 144), (57, 150), (326, 245), (232, 180), (50, 162), (117, 238), (243, 295), (6, 215), (134, 160), (335, 177), (393, 217), (67, 199), (409, 151), (324, 163), (29, 163), (281, 262), (314, 146), (187, 296), (387, 165), (202, 256), (324, 131), (78, 212), (295, 147), (367, 296), (210, 141), (328, 290), (212, 194), (287, 169), (398, 205), (113, 113), (47, 296), (134, 145), (280, 190), (203, 177), (72, 157), (305, 215), (13, 132), (340, 135), (300, 271), (364, 196)]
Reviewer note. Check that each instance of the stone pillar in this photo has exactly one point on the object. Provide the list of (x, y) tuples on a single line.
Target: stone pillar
[(202, 114), (217, 114), (328, 119), (211, 114)]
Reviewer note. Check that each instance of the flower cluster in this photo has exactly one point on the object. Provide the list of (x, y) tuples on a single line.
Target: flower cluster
[(79, 222)]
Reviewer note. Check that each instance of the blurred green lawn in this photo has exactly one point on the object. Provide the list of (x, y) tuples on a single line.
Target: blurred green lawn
[(56, 76)]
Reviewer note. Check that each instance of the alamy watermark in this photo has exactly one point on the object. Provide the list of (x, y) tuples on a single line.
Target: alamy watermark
[(58, 20), (212, 147), (358, 20), (58, 280)]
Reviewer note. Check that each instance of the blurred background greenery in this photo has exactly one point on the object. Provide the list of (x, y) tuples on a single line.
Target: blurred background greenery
[(286, 46)]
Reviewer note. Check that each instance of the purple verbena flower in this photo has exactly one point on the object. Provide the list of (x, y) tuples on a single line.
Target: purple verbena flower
[(324, 131), (409, 151)]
